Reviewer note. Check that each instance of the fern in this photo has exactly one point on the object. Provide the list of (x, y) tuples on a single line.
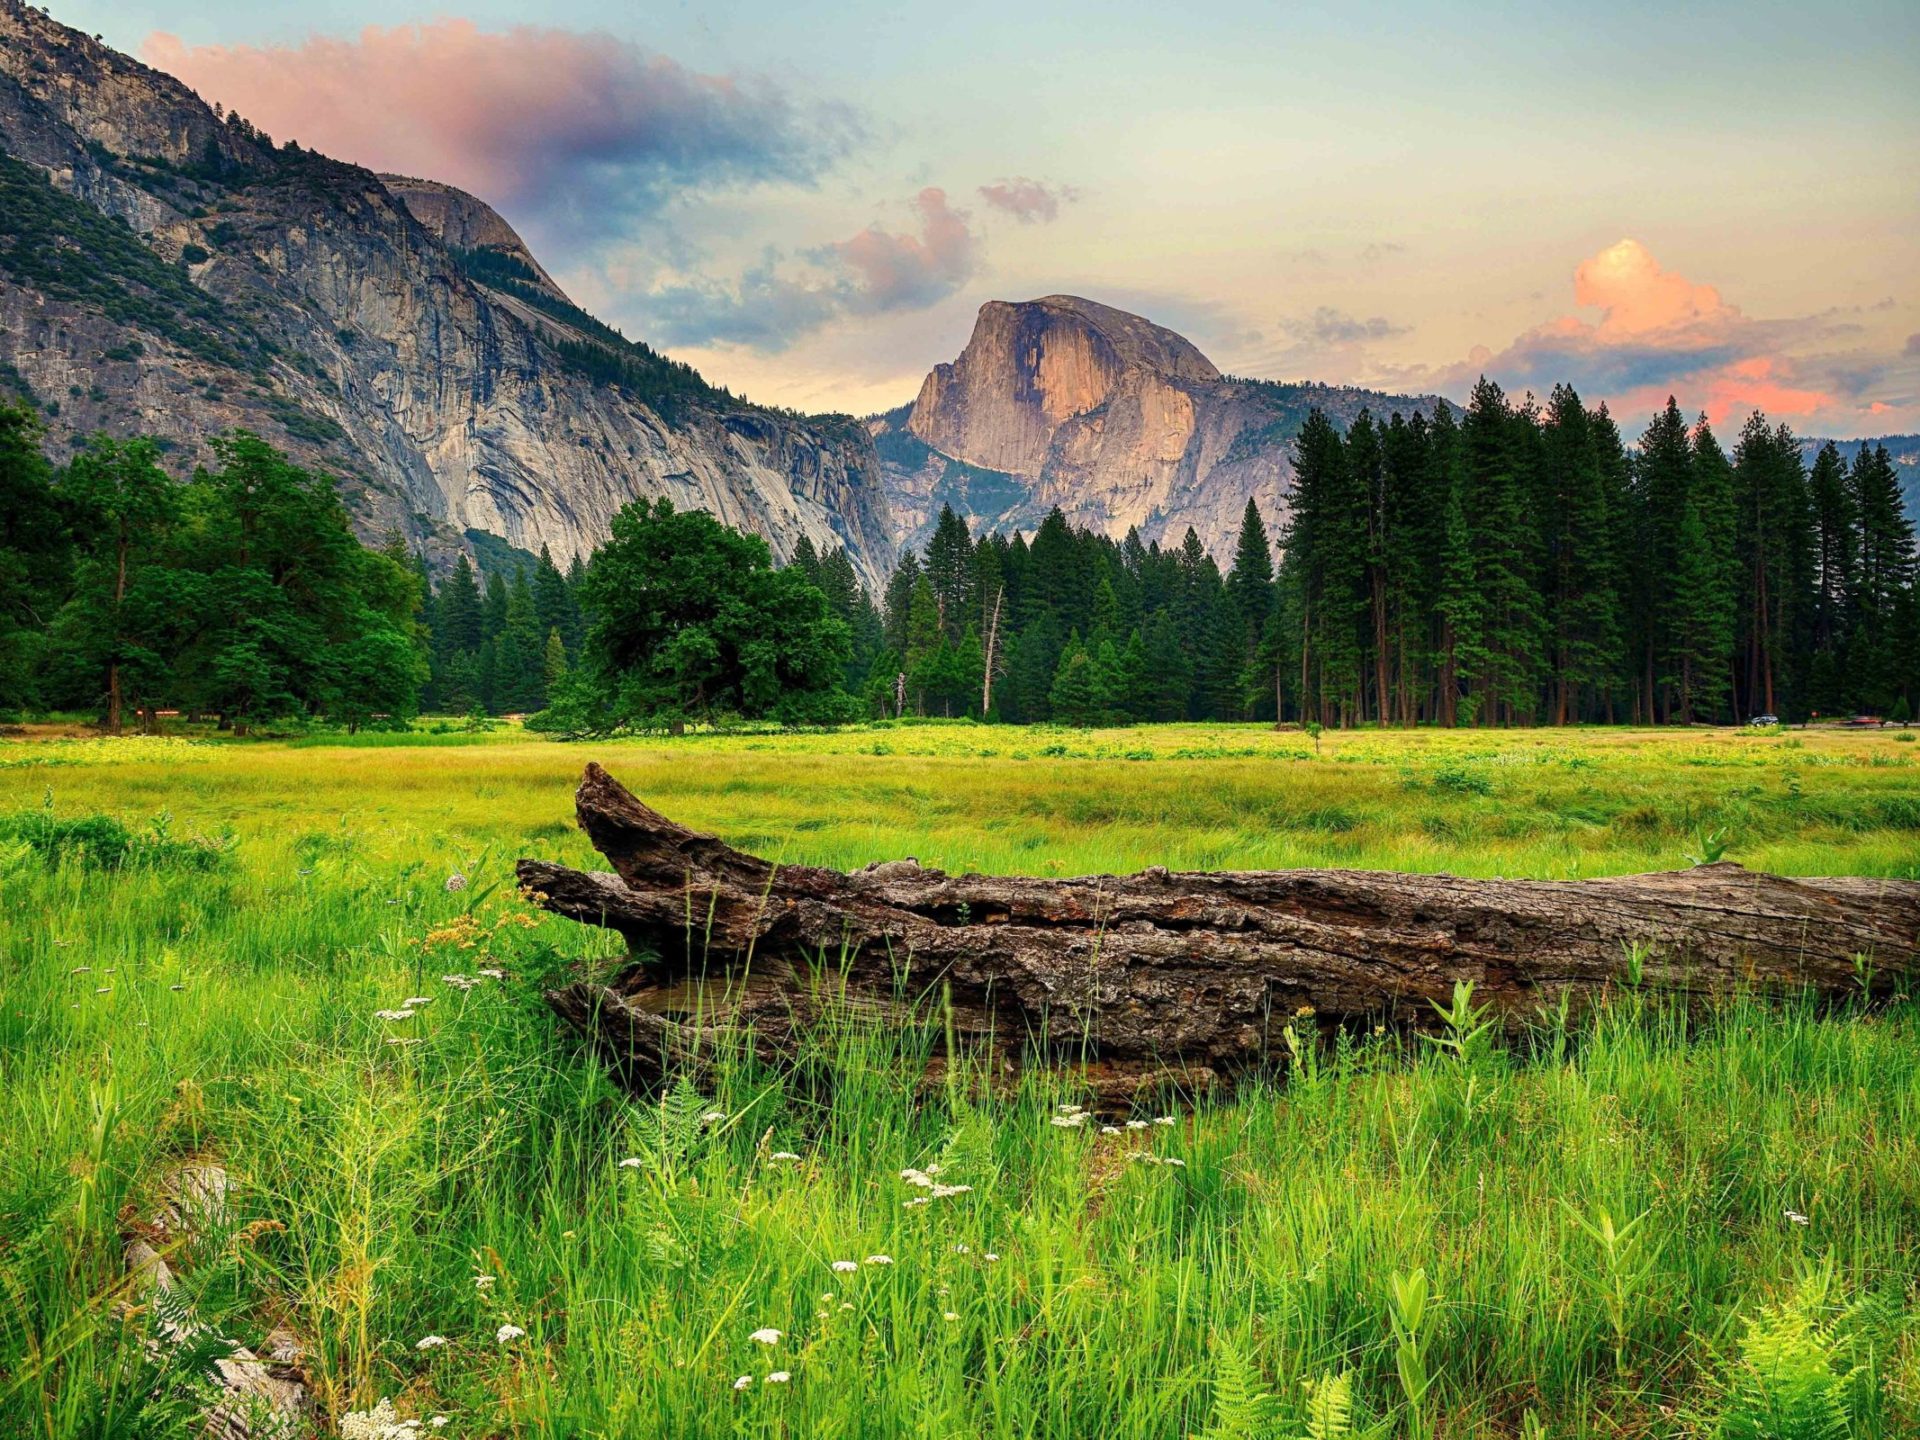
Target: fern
[(1785, 1385), (1242, 1410)]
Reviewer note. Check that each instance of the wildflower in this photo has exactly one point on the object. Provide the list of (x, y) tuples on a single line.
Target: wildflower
[(845, 1267), (393, 1014), (507, 1333), (767, 1336), (632, 1162), (783, 1155), (1796, 1217), (779, 1377), (431, 1342), (879, 1260), (456, 882), (745, 1382)]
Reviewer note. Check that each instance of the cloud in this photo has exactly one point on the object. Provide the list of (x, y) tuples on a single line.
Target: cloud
[(777, 301), (581, 131), (1657, 333), (1028, 201), (1329, 326)]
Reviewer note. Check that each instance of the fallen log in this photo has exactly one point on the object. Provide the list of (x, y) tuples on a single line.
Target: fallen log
[(1162, 976)]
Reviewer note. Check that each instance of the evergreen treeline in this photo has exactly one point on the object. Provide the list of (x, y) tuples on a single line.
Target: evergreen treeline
[(1505, 565), (501, 647)]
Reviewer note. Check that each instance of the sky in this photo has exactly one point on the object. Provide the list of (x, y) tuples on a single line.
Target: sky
[(811, 202)]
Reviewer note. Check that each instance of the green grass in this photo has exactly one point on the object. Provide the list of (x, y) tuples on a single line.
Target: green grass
[(1127, 1299)]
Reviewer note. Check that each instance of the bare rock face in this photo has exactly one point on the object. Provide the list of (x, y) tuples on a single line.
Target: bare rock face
[(394, 333), (1119, 422)]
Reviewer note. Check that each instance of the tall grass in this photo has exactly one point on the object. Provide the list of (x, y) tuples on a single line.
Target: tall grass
[(1642, 1226)]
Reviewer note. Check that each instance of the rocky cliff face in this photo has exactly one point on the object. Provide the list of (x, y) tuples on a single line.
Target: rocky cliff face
[(394, 331), (1119, 422)]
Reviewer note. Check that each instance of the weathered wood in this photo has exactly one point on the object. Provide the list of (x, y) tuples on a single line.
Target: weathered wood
[(1160, 974)]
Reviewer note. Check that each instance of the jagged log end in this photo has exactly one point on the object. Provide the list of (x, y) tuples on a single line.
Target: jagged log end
[(1143, 977)]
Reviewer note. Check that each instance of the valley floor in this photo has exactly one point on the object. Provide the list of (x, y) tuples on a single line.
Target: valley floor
[(1636, 1227)]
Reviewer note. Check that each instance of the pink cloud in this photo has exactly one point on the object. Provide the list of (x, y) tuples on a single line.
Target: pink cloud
[(1028, 201), (1658, 333), (786, 296), (529, 116), (896, 270)]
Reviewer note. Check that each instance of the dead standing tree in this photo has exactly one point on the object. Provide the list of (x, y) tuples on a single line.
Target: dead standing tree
[(1162, 976)]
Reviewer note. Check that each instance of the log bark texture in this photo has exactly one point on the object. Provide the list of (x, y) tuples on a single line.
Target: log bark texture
[(1162, 975)]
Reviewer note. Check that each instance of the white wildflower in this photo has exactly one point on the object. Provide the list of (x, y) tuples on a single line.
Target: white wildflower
[(431, 1342), (766, 1336), (456, 882), (879, 1260), (779, 1377), (745, 1382), (846, 1267), (508, 1333)]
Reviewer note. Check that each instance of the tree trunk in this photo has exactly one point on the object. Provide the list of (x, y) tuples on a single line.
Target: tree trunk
[(1159, 976)]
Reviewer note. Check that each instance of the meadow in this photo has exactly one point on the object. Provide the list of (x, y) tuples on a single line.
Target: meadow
[(1638, 1225)]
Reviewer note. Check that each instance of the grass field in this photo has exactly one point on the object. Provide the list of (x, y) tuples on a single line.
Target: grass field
[(1635, 1228)]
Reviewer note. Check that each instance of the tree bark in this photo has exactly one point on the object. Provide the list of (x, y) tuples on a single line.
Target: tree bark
[(1161, 976)]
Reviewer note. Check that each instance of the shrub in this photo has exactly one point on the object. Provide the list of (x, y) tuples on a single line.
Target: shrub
[(100, 842)]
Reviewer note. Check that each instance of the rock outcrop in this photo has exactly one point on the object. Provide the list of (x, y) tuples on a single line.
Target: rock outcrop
[(1119, 422), (394, 332)]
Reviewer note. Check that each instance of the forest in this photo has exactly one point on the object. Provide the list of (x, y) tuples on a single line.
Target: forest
[(1505, 564)]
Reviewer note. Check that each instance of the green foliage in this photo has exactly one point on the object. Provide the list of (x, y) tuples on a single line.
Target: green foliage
[(690, 621), (100, 842)]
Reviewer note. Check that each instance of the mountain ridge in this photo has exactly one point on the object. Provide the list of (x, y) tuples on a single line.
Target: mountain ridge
[(300, 296)]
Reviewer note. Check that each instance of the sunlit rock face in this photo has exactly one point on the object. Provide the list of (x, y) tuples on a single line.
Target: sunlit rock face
[(1119, 422)]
